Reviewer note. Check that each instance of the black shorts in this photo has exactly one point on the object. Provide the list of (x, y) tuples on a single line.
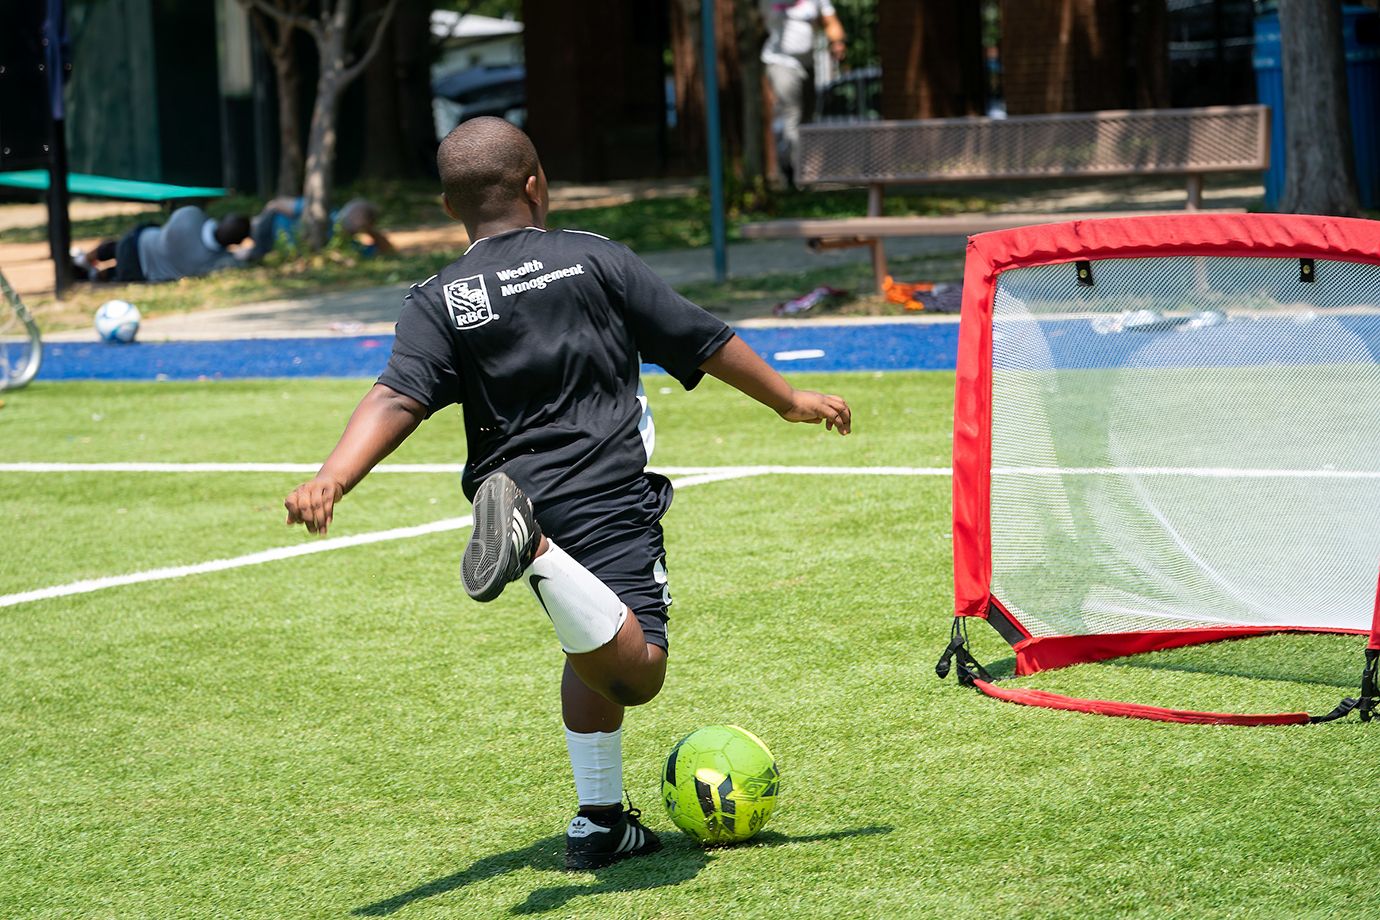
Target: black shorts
[(127, 265), (616, 534)]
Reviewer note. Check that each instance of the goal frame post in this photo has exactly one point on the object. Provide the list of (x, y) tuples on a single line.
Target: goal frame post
[(989, 255)]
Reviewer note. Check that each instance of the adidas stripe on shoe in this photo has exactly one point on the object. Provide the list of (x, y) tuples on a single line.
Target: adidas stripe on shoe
[(591, 846), (504, 540)]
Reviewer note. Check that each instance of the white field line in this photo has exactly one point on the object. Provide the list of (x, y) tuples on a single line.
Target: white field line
[(307, 468), (730, 472), (456, 468), (699, 479), (289, 552), (689, 476), (1194, 472), (220, 565)]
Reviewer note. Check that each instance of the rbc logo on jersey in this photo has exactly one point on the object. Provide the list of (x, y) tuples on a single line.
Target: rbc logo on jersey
[(467, 299)]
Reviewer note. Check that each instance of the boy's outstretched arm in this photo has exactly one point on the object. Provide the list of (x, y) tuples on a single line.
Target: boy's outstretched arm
[(382, 420), (742, 368)]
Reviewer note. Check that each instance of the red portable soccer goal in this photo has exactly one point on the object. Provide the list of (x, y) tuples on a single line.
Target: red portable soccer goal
[(1167, 432)]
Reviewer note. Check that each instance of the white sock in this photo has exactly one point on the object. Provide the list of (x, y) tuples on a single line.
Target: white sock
[(596, 759), (585, 612)]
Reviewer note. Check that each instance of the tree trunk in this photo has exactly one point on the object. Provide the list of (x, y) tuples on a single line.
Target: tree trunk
[(1084, 55), (931, 54), (596, 114), (400, 132), (289, 125), (321, 139), (1145, 38), (1320, 167), (750, 38), (688, 78), (276, 36), (731, 82), (332, 34)]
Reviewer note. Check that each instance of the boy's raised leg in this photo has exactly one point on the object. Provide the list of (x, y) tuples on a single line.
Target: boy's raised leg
[(609, 664)]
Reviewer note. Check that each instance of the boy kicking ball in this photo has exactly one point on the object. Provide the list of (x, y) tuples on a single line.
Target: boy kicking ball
[(540, 335)]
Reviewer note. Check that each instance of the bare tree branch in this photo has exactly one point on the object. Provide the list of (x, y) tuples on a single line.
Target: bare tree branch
[(377, 42), (286, 17), (365, 24), (274, 44), (260, 24)]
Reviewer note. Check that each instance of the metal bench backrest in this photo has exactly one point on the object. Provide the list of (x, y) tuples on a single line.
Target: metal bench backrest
[(1080, 144)]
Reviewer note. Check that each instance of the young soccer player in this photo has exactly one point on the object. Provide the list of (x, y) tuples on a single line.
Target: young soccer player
[(539, 336)]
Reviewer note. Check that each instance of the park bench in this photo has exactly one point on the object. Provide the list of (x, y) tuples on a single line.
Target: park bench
[(108, 187), (878, 154)]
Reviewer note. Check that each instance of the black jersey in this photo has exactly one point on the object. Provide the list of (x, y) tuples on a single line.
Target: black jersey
[(538, 334)]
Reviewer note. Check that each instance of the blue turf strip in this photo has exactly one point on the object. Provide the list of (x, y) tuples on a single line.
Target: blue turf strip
[(898, 346), (217, 360), (1071, 344)]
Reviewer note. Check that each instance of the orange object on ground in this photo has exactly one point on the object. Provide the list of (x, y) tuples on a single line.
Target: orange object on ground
[(904, 292)]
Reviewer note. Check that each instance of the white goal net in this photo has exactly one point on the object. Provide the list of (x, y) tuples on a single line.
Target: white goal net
[(1187, 442)]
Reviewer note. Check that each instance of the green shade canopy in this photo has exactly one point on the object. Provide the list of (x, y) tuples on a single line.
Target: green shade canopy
[(108, 187)]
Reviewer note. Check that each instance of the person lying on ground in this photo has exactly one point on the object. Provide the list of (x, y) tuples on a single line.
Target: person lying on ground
[(189, 245), (281, 217)]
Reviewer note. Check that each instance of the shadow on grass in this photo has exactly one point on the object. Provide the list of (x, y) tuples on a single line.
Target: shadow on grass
[(1296, 672), (1324, 661), (679, 862), (1002, 667)]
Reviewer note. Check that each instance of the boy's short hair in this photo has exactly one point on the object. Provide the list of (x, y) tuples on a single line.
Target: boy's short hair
[(358, 215), (231, 229), (484, 164)]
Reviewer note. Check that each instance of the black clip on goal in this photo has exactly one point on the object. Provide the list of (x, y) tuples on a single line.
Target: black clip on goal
[(1369, 700), (968, 667)]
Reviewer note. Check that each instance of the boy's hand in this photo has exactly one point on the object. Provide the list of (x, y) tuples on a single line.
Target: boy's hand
[(739, 366), (312, 503), (807, 406), (382, 420)]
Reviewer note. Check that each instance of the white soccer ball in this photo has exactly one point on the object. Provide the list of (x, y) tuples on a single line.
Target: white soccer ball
[(117, 321)]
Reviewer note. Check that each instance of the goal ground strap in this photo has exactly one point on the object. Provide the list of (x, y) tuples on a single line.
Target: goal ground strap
[(1134, 710), (973, 674)]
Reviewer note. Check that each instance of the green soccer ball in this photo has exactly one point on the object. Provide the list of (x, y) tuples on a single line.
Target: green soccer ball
[(719, 784)]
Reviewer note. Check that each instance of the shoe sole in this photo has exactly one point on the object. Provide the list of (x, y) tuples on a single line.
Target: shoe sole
[(486, 567)]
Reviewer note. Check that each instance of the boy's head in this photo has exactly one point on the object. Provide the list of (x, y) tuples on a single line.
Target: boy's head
[(490, 173), (231, 229), (358, 215)]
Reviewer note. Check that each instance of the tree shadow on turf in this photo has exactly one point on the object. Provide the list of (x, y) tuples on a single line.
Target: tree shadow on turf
[(679, 862)]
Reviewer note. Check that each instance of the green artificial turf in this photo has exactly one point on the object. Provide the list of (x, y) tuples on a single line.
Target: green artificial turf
[(345, 734)]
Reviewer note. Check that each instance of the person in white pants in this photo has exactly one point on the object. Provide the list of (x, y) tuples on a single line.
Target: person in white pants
[(789, 58)]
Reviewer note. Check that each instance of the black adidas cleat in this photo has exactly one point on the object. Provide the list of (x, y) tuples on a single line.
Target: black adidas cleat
[(592, 846), (505, 538)]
